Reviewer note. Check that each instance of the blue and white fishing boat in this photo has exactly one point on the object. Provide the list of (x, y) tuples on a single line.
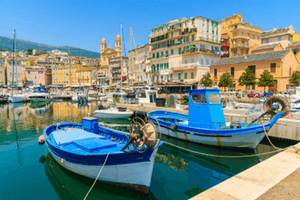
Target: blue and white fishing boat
[(83, 149), (206, 123)]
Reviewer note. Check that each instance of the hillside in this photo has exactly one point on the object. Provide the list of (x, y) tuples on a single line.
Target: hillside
[(7, 43)]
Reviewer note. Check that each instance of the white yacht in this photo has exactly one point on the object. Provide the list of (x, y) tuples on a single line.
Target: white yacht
[(40, 95), (113, 112)]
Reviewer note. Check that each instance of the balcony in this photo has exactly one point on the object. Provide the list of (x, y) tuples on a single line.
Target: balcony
[(115, 65)]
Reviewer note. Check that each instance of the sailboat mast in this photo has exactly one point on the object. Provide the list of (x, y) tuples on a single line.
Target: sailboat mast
[(121, 56), (14, 51)]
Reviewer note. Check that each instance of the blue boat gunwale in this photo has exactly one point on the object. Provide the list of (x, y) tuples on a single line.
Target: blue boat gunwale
[(95, 158), (154, 115)]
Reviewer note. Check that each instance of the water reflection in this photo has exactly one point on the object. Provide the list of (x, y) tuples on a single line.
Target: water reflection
[(177, 174)]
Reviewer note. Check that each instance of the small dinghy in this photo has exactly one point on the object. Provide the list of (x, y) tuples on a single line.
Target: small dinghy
[(206, 123), (112, 112), (127, 158)]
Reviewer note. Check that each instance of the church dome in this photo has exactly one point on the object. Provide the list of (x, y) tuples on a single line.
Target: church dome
[(103, 40), (118, 37)]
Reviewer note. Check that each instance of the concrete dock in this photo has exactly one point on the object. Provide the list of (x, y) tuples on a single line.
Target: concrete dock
[(275, 178)]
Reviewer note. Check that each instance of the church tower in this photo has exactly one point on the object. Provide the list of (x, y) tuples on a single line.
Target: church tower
[(118, 45), (103, 45)]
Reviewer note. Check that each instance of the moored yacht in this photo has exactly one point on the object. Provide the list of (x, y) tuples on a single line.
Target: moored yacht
[(40, 95)]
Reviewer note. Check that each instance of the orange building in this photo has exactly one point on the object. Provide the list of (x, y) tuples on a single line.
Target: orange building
[(281, 64), (266, 48)]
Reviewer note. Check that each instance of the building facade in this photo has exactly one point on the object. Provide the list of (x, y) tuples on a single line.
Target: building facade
[(86, 76), (65, 75), (295, 47), (2, 72), (284, 36), (182, 50), (225, 46), (281, 64), (118, 72), (139, 66), (106, 55), (15, 71), (242, 35), (38, 75)]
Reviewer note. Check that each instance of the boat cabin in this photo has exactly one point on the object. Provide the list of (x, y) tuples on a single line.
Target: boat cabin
[(205, 109)]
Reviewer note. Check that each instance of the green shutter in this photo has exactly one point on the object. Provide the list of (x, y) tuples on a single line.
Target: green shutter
[(157, 66), (179, 51), (157, 55), (193, 37), (192, 75), (179, 76), (171, 76), (171, 51), (153, 55), (167, 52), (185, 75), (167, 65), (162, 53)]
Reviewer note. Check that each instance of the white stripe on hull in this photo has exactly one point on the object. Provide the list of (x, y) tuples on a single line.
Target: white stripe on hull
[(136, 173), (18, 99), (246, 140)]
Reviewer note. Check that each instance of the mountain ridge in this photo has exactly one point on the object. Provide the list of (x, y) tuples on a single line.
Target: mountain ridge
[(7, 43)]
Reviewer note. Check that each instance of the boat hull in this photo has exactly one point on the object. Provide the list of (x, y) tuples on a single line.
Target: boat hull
[(247, 140), (111, 115), (18, 99), (176, 125), (40, 100), (136, 176)]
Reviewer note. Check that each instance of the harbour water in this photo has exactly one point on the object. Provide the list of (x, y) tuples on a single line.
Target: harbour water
[(29, 172)]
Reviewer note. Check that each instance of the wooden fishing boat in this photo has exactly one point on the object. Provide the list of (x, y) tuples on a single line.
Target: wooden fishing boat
[(83, 149), (206, 123)]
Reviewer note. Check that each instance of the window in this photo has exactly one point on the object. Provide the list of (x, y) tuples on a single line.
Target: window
[(242, 34), (215, 73), (258, 37), (214, 99), (185, 75), (172, 35), (185, 62), (171, 76), (162, 54), (267, 40), (192, 74), (202, 62), (193, 21), (172, 52), (153, 55), (252, 68), (253, 37), (193, 37), (279, 38), (235, 34), (207, 62), (226, 29), (179, 50), (29, 76), (192, 61), (179, 76), (198, 98), (232, 71), (273, 67), (167, 52), (296, 51), (28, 72)]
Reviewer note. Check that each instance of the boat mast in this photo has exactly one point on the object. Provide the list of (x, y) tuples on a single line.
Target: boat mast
[(131, 33), (14, 51), (121, 56), (125, 55)]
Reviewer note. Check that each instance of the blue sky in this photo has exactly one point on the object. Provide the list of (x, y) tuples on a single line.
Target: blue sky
[(83, 23)]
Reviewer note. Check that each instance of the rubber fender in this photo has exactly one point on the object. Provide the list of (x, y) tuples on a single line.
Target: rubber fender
[(173, 127), (41, 140)]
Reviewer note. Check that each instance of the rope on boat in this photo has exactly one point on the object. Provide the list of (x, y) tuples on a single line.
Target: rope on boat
[(97, 177), (267, 136)]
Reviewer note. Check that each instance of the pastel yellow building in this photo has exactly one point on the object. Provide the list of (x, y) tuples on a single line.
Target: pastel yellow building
[(295, 46), (65, 75), (242, 35)]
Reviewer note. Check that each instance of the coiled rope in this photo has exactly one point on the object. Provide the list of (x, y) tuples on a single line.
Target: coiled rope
[(97, 177)]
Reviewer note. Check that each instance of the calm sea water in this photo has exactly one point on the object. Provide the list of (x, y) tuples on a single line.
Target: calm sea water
[(27, 171)]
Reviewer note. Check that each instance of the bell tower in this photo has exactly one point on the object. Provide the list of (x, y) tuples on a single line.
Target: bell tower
[(103, 45), (118, 45)]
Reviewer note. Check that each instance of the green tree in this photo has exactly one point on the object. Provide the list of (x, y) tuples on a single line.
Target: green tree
[(266, 79), (225, 80), (206, 80), (247, 78), (295, 78)]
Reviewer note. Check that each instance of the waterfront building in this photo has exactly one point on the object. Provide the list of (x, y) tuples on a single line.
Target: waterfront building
[(65, 75), (106, 54), (182, 50), (242, 35), (284, 36), (281, 64), (139, 66), (295, 47), (86, 76), (36, 75), (2, 72), (17, 68), (118, 73)]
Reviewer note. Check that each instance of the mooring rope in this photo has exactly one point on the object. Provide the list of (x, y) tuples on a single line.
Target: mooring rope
[(97, 177), (267, 136)]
